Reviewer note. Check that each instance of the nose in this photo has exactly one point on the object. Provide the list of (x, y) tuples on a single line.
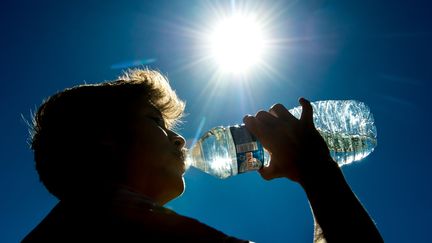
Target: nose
[(178, 140)]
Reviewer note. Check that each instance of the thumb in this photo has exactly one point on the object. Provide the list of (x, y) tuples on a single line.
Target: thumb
[(307, 111)]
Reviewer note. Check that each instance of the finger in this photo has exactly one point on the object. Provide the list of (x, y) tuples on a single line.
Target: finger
[(266, 117), (266, 173), (270, 172), (280, 111), (307, 111), (252, 125), (258, 128)]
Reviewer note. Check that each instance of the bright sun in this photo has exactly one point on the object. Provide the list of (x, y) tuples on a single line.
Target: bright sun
[(237, 43)]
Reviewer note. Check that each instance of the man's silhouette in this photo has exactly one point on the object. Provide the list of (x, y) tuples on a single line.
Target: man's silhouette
[(108, 152)]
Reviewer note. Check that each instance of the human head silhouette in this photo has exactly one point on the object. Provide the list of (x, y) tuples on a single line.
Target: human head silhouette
[(115, 132)]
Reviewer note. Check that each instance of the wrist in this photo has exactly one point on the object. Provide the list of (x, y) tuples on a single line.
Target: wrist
[(321, 174)]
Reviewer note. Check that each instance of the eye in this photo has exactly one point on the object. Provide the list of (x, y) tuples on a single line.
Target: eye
[(159, 120)]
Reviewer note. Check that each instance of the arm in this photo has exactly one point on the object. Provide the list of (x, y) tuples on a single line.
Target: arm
[(338, 214), (299, 153)]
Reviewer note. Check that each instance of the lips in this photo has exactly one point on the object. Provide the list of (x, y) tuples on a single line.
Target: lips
[(181, 155)]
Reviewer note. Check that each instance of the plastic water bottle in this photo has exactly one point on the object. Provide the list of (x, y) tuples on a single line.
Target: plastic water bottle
[(347, 127)]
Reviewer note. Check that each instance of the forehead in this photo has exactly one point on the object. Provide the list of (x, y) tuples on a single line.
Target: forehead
[(145, 113), (146, 108)]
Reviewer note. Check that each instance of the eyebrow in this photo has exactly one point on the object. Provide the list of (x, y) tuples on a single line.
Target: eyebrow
[(154, 111)]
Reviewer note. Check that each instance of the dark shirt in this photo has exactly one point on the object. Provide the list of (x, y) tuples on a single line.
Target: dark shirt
[(124, 216)]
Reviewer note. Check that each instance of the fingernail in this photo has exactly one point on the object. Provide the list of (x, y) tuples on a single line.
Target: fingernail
[(247, 117), (302, 99)]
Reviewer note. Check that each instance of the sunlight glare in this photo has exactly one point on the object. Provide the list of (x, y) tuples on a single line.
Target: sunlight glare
[(237, 43)]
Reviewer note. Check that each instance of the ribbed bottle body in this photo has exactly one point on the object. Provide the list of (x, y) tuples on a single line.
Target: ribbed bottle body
[(347, 127)]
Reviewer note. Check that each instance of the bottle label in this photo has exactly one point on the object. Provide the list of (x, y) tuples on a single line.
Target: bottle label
[(250, 152)]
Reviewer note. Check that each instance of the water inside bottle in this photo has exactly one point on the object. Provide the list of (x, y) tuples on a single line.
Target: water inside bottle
[(346, 126), (214, 153), (347, 148)]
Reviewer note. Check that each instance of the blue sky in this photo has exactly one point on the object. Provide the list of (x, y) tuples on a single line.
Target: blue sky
[(378, 52)]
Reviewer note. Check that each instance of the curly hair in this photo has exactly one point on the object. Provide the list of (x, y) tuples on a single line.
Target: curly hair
[(74, 130)]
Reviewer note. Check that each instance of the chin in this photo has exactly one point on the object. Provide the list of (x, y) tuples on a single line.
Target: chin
[(180, 187), (175, 185)]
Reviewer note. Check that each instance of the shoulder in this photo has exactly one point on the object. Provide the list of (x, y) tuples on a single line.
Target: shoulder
[(145, 224), (160, 224)]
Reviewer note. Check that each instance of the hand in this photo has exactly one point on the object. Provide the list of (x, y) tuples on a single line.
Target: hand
[(297, 149)]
